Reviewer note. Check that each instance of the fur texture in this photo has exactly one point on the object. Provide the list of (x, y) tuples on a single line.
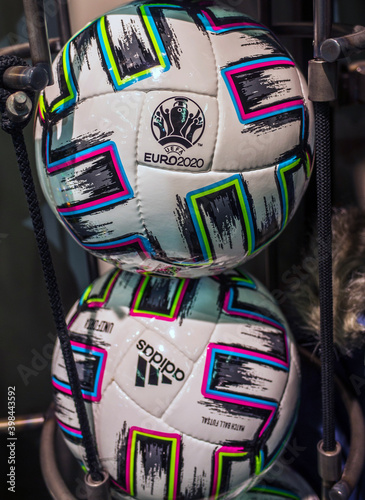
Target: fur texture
[(348, 250)]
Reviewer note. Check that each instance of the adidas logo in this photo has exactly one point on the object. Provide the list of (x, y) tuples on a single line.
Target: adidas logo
[(153, 364)]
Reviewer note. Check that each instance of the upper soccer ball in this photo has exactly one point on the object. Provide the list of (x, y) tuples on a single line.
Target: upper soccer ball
[(177, 139), (191, 385)]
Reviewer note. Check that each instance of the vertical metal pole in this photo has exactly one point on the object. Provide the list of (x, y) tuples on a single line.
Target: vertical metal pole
[(63, 21), (322, 10), (38, 36), (322, 90)]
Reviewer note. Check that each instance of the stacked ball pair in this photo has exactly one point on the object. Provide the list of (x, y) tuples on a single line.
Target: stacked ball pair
[(176, 143)]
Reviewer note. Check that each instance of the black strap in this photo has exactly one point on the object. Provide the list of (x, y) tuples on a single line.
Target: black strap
[(15, 130), (324, 212)]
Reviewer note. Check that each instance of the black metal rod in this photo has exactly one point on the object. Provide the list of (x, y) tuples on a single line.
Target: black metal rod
[(337, 48), (322, 29), (25, 78), (38, 36), (63, 21), (324, 212), (23, 49), (322, 24)]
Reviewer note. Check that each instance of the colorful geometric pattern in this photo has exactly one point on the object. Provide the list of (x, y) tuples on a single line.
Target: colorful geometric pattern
[(112, 161), (232, 309), (134, 243), (243, 279), (259, 462), (71, 91), (41, 108), (120, 81), (241, 70), (194, 199), (273, 490), (216, 25), (154, 437), (212, 391), (167, 309), (70, 94), (274, 455), (99, 301), (71, 432), (223, 457), (93, 366), (285, 168), (239, 278)]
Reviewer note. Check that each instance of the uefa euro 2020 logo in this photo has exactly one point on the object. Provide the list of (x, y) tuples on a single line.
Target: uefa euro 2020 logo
[(177, 124)]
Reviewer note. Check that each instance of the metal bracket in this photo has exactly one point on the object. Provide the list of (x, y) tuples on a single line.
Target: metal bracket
[(98, 490), (329, 466), (337, 48), (40, 75)]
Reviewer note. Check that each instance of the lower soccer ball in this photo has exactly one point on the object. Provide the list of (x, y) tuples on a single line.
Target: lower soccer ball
[(192, 385)]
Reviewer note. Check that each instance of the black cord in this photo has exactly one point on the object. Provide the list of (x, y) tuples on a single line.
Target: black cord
[(324, 212), (15, 130)]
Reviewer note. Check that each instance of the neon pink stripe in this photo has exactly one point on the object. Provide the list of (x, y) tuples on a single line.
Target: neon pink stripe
[(208, 361), (248, 353), (72, 320), (111, 286), (128, 462), (94, 304), (270, 109), (118, 485), (216, 473), (117, 245), (92, 203), (78, 158), (151, 315), (225, 26), (132, 312), (263, 64), (152, 433), (71, 429), (249, 404), (115, 162), (177, 463), (247, 315), (223, 449), (182, 293), (136, 295), (227, 399), (40, 112), (61, 388), (91, 349), (261, 320), (268, 422)]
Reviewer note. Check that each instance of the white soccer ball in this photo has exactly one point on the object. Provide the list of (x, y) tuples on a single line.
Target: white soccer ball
[(191, 385), (177, 138)]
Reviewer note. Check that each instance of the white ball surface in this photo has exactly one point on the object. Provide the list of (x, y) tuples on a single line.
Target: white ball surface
[(191, 385), (177, 138)]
